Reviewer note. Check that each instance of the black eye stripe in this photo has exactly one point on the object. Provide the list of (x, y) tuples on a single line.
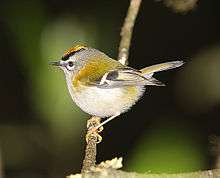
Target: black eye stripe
[(66, 57)]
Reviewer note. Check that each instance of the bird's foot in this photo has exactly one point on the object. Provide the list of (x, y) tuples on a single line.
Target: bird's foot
[(93, 130)]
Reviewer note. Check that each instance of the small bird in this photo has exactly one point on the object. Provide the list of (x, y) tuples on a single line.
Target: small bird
[(102, 86)]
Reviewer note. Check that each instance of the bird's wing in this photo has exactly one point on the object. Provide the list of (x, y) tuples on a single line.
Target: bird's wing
[(125, 77)]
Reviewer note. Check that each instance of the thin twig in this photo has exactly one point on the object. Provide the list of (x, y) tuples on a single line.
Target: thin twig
[(126, 33)]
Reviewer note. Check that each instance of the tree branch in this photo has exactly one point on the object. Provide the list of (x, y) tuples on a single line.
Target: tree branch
[(109, 169), (91, 150), (126, 33), (111, 173), (180, 6)]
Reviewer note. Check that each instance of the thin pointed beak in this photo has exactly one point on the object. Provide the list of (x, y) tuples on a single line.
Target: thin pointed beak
[(55, 63)]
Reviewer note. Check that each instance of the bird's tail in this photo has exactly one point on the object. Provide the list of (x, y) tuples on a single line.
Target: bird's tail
[(148, 72)]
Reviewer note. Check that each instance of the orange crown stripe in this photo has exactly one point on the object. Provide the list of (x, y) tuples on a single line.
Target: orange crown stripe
[(74, 49)]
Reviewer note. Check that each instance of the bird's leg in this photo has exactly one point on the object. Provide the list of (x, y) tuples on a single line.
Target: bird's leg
[(98, 128), (106, 121), (93, 122)]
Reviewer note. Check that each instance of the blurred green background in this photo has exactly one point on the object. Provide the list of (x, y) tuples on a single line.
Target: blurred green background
[(42, 131)]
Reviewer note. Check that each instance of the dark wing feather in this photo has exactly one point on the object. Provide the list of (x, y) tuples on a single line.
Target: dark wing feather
[(125, 77)]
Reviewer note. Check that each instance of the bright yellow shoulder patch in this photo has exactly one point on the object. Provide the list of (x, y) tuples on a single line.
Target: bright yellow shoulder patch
[(94, 70)]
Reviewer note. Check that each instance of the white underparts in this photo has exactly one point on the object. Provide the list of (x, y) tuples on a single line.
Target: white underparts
[(104, 102)]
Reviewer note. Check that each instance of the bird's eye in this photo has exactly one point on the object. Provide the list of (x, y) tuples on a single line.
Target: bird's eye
[(70, 63)]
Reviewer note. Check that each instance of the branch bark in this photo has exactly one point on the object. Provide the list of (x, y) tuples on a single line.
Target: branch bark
[(91, 150), (111, 173), (126, 34)]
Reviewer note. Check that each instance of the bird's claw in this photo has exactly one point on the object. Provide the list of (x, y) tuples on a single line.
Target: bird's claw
[(93, 134), (93, 129)]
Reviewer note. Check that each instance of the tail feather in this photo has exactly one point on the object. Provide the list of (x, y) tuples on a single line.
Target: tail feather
[(155, 82), (149, 71)]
